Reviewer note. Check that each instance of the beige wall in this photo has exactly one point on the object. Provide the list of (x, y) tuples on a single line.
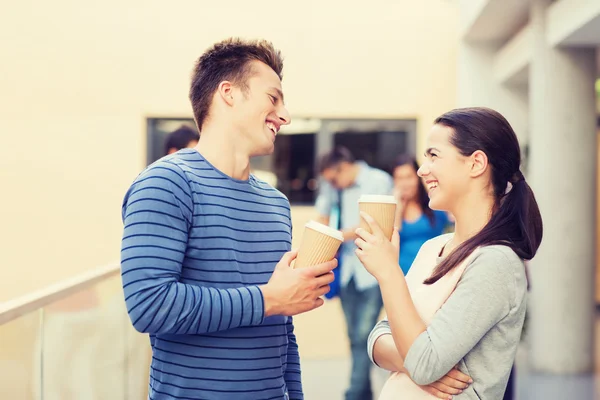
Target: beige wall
[(79, 79)]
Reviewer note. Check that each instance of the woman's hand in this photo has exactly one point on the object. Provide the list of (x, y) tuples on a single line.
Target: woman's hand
[(375, 252), (453, 383)]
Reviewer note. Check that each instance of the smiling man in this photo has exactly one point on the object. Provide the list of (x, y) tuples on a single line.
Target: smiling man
[(206, 245)]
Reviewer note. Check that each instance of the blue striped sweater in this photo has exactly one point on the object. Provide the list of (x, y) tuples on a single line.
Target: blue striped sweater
[(196, 246)]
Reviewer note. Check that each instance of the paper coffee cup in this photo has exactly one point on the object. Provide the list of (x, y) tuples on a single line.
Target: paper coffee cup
[(320, 244), (382, 209)]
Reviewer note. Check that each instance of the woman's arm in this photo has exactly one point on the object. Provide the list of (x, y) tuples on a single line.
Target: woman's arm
[(404, 320), (386, 356), (382, 350), (480, 300), (380, 257)]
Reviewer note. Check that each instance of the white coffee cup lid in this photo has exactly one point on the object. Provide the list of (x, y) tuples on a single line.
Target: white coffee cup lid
[(377, 198), (326, 230)]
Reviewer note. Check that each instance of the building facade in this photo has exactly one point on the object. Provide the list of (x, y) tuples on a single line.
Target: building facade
[(536, 62)]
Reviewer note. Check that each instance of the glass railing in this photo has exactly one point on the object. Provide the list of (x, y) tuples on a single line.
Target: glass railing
[(77, 343), (20, 357)]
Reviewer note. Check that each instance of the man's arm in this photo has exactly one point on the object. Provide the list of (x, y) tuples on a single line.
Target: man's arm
[(157, 215), (293, 376)]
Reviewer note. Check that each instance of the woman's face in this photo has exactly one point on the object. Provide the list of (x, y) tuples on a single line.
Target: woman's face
[(445, 171), (406, 182)]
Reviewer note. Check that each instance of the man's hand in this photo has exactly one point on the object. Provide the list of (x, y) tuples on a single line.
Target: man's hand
[(452, 384), (294, 291)]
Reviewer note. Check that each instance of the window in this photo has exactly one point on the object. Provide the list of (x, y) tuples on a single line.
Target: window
[(292, 166)]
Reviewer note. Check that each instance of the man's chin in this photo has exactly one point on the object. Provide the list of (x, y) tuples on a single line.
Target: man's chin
[(265, 151)]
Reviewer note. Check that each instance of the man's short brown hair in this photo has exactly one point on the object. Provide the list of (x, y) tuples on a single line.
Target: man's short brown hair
[(335, 157), (228, 60)]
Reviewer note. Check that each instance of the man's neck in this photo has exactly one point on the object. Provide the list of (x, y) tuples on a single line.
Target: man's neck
[(225, 154), (355, 171)]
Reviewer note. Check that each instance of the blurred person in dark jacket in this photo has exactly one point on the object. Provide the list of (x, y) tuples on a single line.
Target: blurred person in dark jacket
[(181, 138)]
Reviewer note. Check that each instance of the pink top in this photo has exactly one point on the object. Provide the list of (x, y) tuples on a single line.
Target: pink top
[(428, 299)]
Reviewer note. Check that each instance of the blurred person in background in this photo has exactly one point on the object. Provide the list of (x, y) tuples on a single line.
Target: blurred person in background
[(345, 180), (416, 222), (181, 138), (468, 290), (206, 254)]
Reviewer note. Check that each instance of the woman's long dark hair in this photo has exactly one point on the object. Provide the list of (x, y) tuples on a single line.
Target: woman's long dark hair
[(422, 196), (516, 221)]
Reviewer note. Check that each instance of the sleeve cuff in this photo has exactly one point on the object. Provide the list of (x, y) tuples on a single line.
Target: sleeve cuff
[(258, 305), (382, 328), (414, 355)]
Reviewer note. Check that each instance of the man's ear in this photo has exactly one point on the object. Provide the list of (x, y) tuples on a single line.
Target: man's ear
[(225, 91)]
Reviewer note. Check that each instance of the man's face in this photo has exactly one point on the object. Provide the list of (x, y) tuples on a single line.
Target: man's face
[(339, 176), (260, 111)]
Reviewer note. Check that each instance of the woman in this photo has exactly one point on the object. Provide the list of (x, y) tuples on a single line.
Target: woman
[(417, 222), (463, 302)]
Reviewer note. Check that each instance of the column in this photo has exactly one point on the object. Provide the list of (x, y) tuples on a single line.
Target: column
[(477, 86), (562, 172)]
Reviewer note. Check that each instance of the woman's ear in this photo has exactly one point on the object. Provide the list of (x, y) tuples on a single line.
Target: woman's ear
[(479, 163)]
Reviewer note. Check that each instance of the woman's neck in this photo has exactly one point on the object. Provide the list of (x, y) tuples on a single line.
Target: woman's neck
[(471, 216)]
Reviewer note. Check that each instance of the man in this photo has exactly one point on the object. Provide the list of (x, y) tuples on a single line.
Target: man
[(181, 138), (346, 180), (204, 264)]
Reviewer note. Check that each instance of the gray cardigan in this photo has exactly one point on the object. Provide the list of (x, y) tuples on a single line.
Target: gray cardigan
[(478, 328)]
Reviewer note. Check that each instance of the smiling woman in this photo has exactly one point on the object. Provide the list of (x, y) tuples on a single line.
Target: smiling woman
[(476, 274)]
